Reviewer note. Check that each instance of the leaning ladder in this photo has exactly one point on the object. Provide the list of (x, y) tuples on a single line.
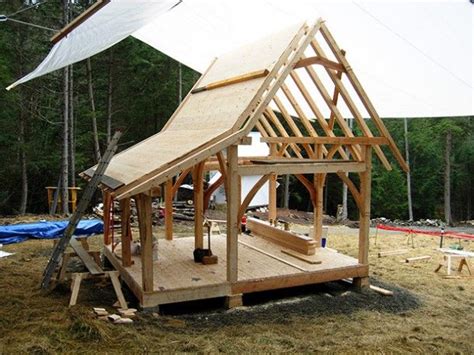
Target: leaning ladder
[(86, 198)]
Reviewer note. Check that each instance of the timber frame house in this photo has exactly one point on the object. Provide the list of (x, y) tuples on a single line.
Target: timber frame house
[(259, 87)]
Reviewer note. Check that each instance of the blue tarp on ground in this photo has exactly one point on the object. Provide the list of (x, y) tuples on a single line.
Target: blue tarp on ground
[(47, 230)]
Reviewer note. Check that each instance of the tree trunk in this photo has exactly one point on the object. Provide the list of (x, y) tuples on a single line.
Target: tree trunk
[(72, 138), (65, 155), (22, 159), (407, 157), (109, 96), (447, 178), (95, 132)]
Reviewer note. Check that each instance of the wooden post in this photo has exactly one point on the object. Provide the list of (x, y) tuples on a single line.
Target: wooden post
[(364, 215), (318, 209), (169, 209), (146, 239), (126, 232), (232, 212), (198, 190), (107, 200), (364, 212), (272, 186)]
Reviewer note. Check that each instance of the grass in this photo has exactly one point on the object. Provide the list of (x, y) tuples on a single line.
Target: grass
[(428, 313)]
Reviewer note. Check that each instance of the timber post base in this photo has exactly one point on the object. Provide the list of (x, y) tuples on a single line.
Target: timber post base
[(361, 283), (233, 301)]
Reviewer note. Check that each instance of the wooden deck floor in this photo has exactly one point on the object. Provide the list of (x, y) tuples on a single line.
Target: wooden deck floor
[(175, 269)]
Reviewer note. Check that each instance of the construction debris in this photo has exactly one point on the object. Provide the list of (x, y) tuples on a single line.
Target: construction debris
[(392, 252), (381, 290), (418, 258)]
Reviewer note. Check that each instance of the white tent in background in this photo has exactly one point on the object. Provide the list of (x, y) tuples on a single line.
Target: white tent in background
[(415, 59)]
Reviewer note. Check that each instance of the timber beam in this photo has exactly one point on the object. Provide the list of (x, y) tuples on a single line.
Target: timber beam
[(301, 168)]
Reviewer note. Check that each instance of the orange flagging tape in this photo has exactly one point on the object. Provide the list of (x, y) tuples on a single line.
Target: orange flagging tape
[(450, 234)]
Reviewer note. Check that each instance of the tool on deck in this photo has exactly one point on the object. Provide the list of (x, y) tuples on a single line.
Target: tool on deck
[(205, 255), (62, 244)]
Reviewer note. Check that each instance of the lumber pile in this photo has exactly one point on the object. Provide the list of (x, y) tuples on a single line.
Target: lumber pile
[(300, 243)]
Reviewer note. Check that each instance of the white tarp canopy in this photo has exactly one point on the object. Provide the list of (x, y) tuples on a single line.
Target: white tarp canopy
[(414, 58)]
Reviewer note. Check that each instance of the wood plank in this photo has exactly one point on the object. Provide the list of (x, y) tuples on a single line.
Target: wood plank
[(301, 168), (392, 252), (85, 257), (234, 80), (146, 240), (327, 140), (418, 258), (320, 61), (233, 204), (308, 259), (286, 239)]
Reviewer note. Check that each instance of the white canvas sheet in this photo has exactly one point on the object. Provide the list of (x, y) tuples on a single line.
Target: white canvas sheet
[(414, 58)]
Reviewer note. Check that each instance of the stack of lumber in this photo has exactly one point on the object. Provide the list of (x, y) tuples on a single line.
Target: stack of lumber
[(300, 243)]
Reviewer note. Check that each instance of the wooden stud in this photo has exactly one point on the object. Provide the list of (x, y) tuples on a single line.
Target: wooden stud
[(146, 240), (232, 210), (126, 234), (169, 209), (198, 191)]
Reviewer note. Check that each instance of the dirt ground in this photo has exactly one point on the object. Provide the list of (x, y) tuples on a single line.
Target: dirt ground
[(428, 313)]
